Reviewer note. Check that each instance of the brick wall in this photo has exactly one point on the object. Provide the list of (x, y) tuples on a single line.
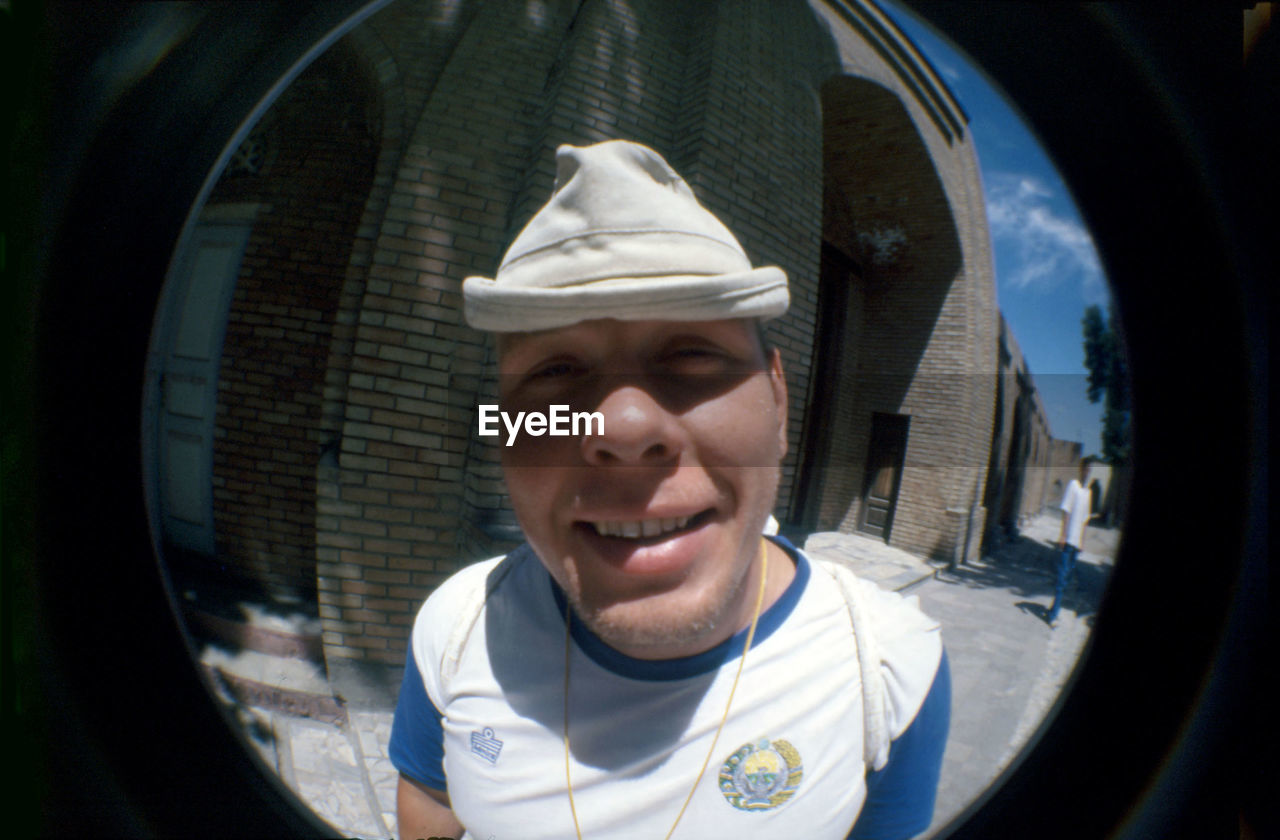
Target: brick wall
[(1037, 489), (919, 332), (410, 481), (1026, 462), (1006, 463), (309, 179)]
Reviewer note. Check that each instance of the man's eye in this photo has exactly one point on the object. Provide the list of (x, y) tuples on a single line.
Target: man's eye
[(553, 370), (696, 354)]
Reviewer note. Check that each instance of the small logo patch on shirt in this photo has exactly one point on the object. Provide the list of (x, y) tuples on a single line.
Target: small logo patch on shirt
[(485, 745), (761, 776)]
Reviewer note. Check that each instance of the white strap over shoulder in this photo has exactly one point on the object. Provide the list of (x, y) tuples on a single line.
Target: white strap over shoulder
[(471, 605), (875, 742)]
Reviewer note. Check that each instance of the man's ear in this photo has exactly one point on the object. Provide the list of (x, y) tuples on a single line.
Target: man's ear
[(778, 381)]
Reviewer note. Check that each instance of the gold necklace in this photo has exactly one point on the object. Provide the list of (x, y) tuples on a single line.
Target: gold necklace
[(751, 632)]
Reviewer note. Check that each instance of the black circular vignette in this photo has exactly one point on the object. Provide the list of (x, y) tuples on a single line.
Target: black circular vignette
[(128, 740)]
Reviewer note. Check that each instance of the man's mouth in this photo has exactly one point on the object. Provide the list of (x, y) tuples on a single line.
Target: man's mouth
[(642, 529)]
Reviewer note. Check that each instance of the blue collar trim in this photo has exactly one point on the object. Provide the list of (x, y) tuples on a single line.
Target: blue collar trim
[(700, 663)]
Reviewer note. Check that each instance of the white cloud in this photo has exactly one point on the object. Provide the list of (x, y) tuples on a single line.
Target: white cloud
[(1048, 248)]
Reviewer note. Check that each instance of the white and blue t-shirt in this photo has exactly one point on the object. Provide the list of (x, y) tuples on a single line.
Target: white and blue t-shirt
[(789, 761)]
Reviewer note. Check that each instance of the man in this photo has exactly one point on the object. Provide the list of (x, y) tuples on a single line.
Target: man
[(1076, 508), (649, 664)]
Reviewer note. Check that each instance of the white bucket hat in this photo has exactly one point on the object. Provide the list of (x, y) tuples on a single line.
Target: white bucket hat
[(621, 237)]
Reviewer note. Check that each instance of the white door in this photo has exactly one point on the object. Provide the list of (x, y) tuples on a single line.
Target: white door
[(183, 383)]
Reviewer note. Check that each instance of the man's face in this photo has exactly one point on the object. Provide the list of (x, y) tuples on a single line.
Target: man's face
[(651, 527)]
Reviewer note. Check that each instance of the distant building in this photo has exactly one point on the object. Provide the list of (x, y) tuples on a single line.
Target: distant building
[(1029, 469), (1110, 488), (1062, 469)]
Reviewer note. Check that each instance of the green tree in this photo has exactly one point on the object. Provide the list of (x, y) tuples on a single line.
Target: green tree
[(1108, 382)]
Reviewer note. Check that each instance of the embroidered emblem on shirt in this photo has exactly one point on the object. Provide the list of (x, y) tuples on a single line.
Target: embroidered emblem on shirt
[(761, 776), (485, 745)]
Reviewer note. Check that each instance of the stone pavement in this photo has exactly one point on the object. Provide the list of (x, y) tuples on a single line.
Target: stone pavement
[(1007, 668), (1008, 665), (890, 568), (339, 770)]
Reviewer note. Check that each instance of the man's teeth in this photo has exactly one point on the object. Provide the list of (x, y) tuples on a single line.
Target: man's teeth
[(641, 528)]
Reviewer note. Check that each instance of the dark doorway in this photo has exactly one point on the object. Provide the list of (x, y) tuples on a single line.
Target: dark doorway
[(883, 473), (837, 272)]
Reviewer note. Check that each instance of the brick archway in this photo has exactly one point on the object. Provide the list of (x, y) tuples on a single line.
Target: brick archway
[(901, 301)]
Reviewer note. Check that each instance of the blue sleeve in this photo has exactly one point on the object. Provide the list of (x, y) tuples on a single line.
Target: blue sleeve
[(417, 734), (900, 795)]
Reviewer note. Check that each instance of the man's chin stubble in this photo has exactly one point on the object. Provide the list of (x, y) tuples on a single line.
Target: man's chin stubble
[(633, 628)]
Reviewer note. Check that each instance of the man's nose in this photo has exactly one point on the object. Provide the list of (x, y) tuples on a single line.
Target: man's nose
[(637, 430)]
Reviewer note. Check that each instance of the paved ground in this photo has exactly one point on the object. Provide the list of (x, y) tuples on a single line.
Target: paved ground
[(1007, 666)]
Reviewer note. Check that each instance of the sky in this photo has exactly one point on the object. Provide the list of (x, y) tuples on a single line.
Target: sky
[(1046, 268)]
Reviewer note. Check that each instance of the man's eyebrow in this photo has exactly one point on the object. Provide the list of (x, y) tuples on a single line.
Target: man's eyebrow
[(516, 343), (711, 338), (506, 342)]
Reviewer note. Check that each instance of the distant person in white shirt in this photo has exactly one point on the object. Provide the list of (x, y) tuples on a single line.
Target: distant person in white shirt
[(1077, 504)]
